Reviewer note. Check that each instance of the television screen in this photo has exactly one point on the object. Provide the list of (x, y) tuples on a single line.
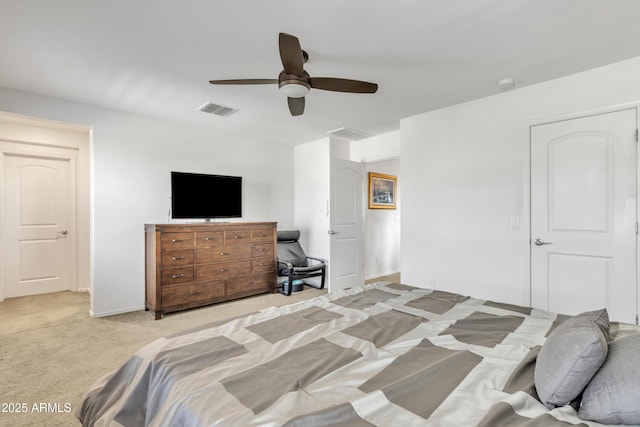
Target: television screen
[(197, 196)]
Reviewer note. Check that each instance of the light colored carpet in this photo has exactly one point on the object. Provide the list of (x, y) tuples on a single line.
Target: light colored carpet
[(51, 351)]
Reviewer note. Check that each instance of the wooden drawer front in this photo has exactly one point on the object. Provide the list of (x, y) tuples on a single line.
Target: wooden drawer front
[(237, 237), (223, 253), (209, 238), (177, 258), (185, 294), (249, 282), (172, 276), (262, 235), (263, 264), (177, 240), (222, 270), (262, 250)]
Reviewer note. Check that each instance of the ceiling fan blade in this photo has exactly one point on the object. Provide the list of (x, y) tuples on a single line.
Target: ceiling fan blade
[(244, 82), (296, 106), (291, 54), (342, 85)]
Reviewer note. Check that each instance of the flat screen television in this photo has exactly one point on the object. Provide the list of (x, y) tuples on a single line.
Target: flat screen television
[(204, 196)]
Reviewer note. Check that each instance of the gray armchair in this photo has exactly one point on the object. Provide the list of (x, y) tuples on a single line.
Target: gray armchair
[(294, 264)]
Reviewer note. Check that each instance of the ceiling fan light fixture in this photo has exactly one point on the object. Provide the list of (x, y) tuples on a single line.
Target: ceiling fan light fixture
[(295, 89)]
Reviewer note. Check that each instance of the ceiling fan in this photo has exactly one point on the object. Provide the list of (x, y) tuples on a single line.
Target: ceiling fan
[(295, 82)]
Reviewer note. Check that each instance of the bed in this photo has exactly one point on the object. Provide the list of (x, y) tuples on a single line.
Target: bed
[(385, 354)]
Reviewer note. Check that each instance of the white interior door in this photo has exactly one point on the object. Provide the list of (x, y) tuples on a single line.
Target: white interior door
[(39, 218), (583, 215), (346, 220)]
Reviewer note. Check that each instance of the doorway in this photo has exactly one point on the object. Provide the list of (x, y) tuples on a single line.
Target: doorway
[(383, 227), (45, 215), (584, 215)]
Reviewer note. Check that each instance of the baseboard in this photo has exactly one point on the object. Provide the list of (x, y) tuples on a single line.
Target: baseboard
[(114, 312), (83, 290)]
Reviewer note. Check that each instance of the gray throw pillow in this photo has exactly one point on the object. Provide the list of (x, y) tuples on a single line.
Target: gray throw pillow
[(570, 357), (613, 395)]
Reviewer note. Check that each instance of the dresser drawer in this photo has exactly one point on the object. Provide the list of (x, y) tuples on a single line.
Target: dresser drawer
[(187, 293), (177, 258), (177, 240), (209, 238), (263, 264), (250, 282), (262, 235), (237, 237), (172, 276), (223, 253), (262, 250), (222, 269)]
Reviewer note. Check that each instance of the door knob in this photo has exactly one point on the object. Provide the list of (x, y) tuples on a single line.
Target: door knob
[(540, 242), (64, 232), (333, 232)]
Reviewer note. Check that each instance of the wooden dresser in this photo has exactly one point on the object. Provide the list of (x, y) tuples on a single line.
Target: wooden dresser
[(191, 265)]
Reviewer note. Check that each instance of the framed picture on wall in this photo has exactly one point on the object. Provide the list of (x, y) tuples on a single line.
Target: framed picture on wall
[(382, 191)]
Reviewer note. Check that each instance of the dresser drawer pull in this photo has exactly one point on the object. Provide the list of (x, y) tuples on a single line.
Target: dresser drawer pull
[(209, 238), (264, 265), (177, 276), (177, 258), (262, 235), (195, 292), (262, 250), (224, 253), (222, 270), (252, 282), (237, 237), (177, 240)]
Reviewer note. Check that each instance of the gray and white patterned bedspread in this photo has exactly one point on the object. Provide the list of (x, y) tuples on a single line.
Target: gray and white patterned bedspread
[(380, 355)]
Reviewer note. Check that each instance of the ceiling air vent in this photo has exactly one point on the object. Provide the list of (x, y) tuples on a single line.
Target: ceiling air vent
[(218, 110), (347, 133)]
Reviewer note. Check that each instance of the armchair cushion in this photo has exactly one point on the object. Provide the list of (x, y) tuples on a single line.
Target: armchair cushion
[(292, 253)]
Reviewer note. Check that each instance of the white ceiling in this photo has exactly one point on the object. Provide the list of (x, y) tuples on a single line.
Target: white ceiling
[(155, 57)]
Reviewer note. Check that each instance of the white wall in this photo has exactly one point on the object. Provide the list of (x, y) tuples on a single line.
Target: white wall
[(311, 172), (465, 173), (132, 157)]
